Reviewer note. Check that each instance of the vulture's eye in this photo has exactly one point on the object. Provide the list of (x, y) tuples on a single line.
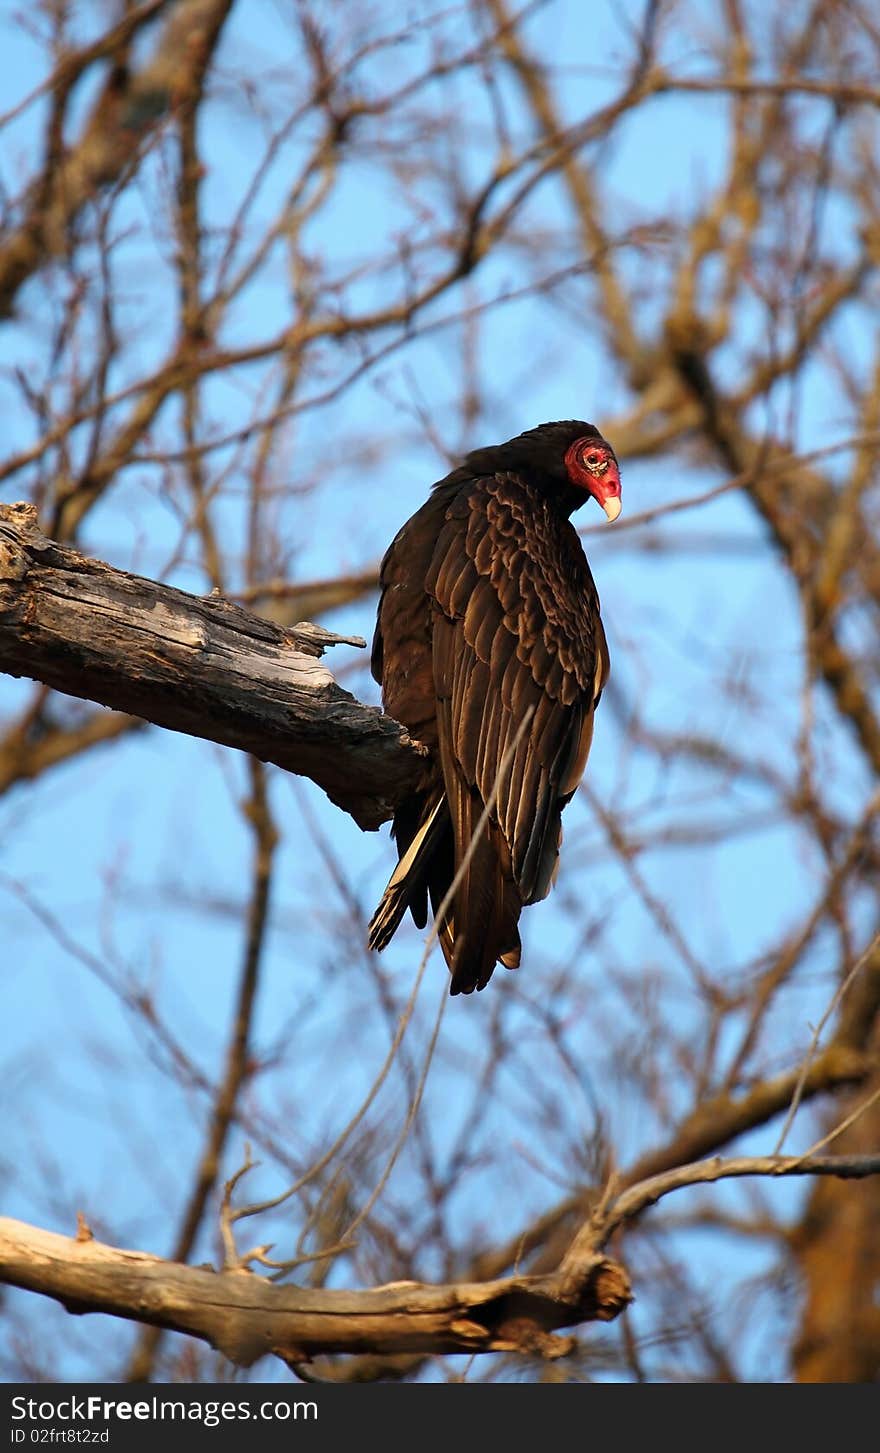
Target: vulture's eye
[(594, 459)]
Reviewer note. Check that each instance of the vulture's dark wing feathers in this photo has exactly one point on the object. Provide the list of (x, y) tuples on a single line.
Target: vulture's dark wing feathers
[(498, 660), (516, 633)]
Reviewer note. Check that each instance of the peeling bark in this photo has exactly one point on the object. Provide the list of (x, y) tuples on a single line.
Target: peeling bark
[(198, 665), (246, 1317)]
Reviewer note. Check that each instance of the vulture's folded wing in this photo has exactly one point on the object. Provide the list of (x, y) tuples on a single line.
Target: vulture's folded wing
[(519, 661)]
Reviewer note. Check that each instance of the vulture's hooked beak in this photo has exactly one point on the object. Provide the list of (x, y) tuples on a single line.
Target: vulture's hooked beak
[(605, 489)]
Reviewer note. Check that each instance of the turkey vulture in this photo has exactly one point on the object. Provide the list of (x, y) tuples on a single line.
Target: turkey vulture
[(490, 649)]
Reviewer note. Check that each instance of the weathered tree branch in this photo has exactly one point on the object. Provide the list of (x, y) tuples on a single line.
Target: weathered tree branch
[(196, 665), (246, 1317), (635, 1199)]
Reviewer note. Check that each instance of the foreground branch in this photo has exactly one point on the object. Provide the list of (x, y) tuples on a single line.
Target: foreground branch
[(630, 1204), (246, 1317), (196, 665)]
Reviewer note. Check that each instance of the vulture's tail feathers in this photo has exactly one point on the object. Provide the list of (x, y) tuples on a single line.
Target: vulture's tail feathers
[(479, 928), (485, 911), (407, 882)]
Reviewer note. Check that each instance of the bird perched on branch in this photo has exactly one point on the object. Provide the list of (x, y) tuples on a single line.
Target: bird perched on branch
[(490, 650)]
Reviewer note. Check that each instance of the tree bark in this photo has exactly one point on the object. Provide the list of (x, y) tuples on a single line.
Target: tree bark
[(245, 1316), (837, 1243), (193, 664), (837, 1249)]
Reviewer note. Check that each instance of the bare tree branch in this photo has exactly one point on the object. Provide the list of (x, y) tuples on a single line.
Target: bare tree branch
[(246, 1317), (647, 1193), (202, 666), (128, 108)]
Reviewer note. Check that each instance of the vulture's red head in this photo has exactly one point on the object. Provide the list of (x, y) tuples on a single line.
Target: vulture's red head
[(590, 464), (571, 454)]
